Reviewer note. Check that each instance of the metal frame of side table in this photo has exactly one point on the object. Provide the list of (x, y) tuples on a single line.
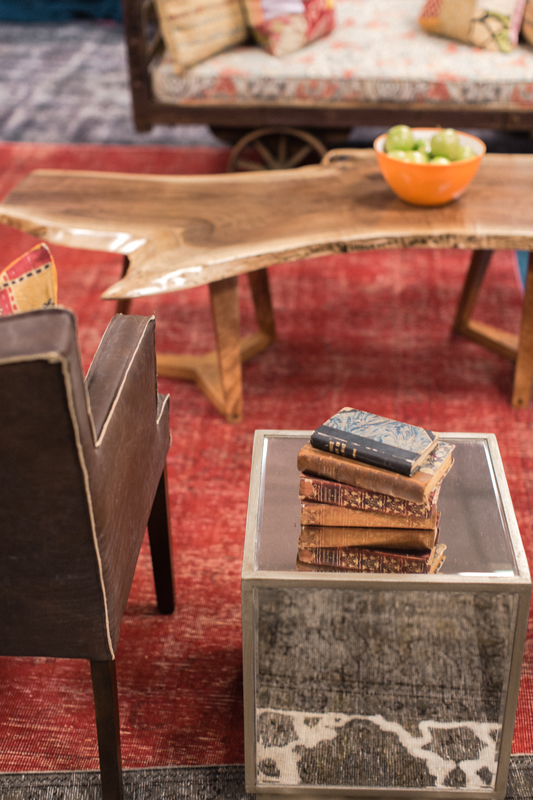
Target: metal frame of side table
[(254, 578)]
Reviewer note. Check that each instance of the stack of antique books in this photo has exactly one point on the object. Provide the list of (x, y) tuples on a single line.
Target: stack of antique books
[(369, 489)]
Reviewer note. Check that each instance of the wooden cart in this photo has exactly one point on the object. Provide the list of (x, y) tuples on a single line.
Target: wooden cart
[(425, 95)]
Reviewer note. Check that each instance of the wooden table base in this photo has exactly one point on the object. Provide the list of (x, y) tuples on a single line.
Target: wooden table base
[(219, 373), (516, 348)]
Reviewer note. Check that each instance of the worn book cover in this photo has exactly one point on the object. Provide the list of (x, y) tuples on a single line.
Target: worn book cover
[(321, 490), (361, 559), (375, 440), (416, 488), (318, 536), (434, 564), (339, 516)]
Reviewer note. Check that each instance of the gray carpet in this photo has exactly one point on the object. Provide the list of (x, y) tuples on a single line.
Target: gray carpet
[(184, 783), (68, 82)]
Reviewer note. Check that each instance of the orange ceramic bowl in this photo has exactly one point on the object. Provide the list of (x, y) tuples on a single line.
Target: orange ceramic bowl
[(429, 184)]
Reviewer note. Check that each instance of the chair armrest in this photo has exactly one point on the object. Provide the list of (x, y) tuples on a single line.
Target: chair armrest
[(127, 457), (110, 366)]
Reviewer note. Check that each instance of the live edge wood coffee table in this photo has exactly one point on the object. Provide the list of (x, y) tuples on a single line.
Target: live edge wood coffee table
[(179, 232)]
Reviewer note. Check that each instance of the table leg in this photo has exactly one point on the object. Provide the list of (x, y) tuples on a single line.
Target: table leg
[(523, 374), (474, 278), (226, 321), (219, 373), (263, 304), (495, 339), (515, 348), (123, 305)]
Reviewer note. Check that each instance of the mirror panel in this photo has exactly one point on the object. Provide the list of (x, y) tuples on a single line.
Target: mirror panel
[(375, 688)]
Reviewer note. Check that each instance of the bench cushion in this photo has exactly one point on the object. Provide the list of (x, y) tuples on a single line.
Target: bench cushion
[(377, 53)]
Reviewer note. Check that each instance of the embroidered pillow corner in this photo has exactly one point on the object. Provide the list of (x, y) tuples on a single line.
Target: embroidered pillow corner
[(29, 282), (489, 24)]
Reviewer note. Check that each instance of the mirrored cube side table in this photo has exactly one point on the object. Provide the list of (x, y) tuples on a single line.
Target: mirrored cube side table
[(365, 685)]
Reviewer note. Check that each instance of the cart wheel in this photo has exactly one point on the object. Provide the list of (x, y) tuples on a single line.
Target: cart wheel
[(275, 148)]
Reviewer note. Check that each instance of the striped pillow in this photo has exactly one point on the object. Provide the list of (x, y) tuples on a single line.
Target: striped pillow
[(194, 30), (29, 282)]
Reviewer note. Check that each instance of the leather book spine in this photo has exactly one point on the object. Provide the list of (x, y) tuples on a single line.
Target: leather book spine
[(320, 490), (316, 536), (360, 559), (348, 445), (323, 514), (336, 468)]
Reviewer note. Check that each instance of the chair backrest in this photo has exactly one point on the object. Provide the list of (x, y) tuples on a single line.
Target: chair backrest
[(52, 598)]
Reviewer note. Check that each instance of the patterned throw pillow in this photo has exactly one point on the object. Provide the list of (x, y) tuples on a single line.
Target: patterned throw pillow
[(527, 22), (29, 282), (283, 26), (194, 30), (492, 24)]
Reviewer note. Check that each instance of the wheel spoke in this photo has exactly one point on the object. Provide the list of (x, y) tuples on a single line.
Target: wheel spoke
[(248, 166), (282, 151), (265, 154), (299, 156), (274, 148)]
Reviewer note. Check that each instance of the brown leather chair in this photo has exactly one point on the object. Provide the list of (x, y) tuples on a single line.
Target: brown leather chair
[(82, 474)]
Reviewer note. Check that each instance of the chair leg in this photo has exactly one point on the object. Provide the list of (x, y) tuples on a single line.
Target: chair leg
[(104, 678), (161, 547)]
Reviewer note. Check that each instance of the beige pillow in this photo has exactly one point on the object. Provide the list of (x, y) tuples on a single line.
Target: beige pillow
[(492, 24), (29, 282), (527, 22), (194, 30)]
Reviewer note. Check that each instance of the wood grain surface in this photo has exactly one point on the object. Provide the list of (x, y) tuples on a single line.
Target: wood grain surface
[(185, 231)]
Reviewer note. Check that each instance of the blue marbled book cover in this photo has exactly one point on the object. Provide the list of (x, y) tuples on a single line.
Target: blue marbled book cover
[(376, 440)]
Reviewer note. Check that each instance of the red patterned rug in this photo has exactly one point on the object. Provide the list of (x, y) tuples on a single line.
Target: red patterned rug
[(370, 330)]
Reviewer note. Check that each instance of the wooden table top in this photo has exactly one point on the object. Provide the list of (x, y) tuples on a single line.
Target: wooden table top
[(185, 231)]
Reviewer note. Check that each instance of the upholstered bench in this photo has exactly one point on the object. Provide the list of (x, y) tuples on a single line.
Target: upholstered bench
[(378, 67)]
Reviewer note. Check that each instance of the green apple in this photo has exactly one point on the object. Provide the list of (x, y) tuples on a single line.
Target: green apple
[(440, 160), (465, 151), (446, 144), (399, 155), (399, 137), (416, 157), (423, 145)]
